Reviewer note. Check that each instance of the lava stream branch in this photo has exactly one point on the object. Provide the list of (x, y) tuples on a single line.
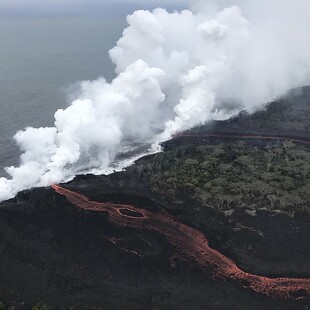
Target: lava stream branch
[(192, 244)]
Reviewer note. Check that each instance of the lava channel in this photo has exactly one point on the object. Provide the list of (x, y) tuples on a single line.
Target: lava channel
[(192, 244)]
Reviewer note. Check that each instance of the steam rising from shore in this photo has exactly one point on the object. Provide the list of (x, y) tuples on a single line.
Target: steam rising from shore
[(175, 71)]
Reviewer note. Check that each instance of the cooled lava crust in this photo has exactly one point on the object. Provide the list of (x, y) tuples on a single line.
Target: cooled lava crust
[(190, 244), (110, 242)]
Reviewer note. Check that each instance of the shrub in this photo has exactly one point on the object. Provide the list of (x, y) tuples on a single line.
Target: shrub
[(3, 306), (41, 306)]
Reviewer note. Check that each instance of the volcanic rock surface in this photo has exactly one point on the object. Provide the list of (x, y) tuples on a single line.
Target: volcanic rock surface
[(111, 242)]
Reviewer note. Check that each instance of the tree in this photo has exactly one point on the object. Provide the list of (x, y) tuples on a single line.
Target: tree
[(41, 306), (3, 306)]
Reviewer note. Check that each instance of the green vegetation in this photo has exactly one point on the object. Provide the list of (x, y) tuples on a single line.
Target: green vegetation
[(3, 306), (41, 306), (275, 176)]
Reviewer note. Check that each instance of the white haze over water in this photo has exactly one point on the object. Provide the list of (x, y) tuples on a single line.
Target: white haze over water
[(175, 71)]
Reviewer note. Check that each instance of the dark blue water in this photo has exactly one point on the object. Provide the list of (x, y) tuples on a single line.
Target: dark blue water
[(39, 59)]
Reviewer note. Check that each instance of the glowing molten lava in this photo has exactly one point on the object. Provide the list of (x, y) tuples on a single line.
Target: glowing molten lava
[(192, 244)]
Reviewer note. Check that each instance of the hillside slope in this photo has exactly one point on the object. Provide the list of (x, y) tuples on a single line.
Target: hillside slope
[(220, 220)]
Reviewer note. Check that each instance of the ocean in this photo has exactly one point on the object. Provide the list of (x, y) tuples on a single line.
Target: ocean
[(40, 58)]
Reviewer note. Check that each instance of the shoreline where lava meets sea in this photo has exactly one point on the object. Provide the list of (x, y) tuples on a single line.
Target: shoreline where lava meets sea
[(192, 244)]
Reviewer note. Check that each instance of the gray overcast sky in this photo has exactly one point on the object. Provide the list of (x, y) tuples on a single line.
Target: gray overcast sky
[(82, 7)]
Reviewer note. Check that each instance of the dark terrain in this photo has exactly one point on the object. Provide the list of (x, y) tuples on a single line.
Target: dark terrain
[(243, 184)]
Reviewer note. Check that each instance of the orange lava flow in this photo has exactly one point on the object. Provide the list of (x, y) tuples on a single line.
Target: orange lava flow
[(192, 244)]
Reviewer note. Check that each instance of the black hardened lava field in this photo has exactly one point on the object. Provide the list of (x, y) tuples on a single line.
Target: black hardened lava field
[(219, 220)]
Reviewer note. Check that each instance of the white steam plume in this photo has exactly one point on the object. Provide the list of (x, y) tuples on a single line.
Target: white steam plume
[(175, 71)]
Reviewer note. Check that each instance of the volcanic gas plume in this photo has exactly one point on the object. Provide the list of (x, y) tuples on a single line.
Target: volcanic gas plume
[(174, 71)]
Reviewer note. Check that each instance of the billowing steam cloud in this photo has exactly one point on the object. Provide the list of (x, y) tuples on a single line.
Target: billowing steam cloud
[(175, 71)]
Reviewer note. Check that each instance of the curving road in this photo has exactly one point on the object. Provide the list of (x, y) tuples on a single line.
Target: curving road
[(244, 137)]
